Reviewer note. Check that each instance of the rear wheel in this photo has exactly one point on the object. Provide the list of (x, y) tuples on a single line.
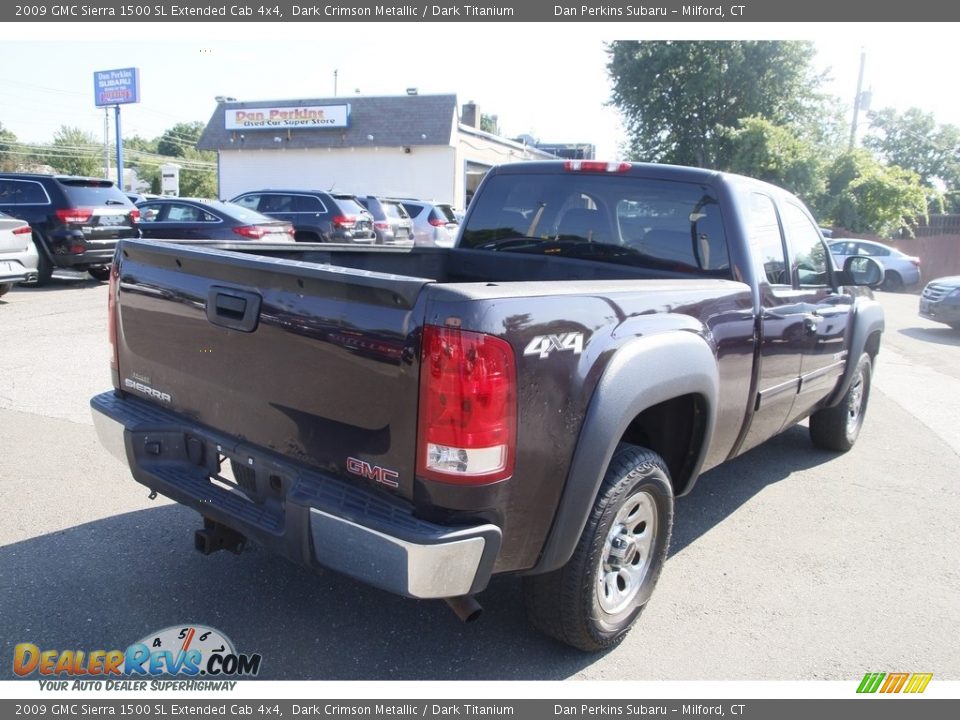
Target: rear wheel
[(593, 600), (892, 281), (837, 427), (5, 288), (101, 273)]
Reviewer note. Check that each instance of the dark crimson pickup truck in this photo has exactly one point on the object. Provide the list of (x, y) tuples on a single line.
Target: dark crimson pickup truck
[(530, 401)]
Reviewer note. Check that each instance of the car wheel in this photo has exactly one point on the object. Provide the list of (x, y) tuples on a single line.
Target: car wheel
[(101, 273), (5, 288), (44, 266), (837, 427), (593, 600), (892, 281)]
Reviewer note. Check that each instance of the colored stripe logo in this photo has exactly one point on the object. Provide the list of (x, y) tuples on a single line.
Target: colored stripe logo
[(914, 683)]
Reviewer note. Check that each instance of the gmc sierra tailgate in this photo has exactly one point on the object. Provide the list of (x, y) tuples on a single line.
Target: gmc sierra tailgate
[(310, 361)]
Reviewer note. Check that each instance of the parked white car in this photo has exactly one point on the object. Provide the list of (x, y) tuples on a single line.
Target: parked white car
[(18, 254), (899, 269)]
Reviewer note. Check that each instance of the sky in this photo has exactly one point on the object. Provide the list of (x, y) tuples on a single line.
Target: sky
[(546, 80)]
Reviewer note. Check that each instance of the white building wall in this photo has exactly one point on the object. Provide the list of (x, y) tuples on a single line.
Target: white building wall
[(428, 172)]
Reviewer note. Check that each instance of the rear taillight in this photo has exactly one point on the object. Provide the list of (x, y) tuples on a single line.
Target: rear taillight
[(290, 231), (134, 216), (344, 220), (466, 431), (595, 166), (251, 232), (382, 225), (74, 215), (25, 230), (437, 222), (112, 314), (915, 261)]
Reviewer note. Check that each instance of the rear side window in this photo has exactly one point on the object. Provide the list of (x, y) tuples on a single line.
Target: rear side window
[(276, 204), (674, 226), (22, 192), (308, 204), (414, 209), (87, 193)]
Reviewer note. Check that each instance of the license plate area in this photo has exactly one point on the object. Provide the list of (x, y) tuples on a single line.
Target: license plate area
[(243, 476)]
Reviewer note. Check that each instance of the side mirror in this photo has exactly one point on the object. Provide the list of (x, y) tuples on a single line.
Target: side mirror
[(860, 270)]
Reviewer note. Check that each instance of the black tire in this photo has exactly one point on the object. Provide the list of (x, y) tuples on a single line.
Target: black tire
[(5, 288), (892, 282), (101, 273), (588, 603), (837, 427)]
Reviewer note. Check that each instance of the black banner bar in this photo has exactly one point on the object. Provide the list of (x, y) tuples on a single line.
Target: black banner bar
[(725, 11), (147, 709)]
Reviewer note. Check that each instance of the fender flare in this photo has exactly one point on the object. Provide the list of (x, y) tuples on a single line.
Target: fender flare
[(644, 372), (868, 319)]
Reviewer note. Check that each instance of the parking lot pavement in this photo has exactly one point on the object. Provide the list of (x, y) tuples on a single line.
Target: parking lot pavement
[(788, 563)]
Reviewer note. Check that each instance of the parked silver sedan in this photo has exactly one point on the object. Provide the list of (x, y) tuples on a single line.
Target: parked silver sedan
[(18, 254), (899, 269)]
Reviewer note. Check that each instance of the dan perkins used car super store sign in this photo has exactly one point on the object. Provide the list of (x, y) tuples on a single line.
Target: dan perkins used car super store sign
[(278, 118)]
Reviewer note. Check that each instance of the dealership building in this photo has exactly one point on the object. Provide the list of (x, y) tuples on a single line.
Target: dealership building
[(401, 146)]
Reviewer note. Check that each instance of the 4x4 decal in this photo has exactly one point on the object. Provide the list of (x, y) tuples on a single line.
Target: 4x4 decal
[(543, 345)]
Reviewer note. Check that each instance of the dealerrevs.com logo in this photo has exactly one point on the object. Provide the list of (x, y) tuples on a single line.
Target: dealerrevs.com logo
[(888, 683), (199, 657)]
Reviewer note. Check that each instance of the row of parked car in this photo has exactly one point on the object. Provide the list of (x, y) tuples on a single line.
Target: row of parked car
[(75, 222), (308, 215), (49, 221)]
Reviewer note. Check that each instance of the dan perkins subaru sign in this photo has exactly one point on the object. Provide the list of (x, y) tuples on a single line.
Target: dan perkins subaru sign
[(308, 117), (116, 87)]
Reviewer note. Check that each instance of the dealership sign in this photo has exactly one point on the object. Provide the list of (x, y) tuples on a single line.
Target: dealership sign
[(308, 117), (116, 87)]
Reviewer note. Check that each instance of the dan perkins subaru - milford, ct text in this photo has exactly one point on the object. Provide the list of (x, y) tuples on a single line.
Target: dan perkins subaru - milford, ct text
[(587, 11)]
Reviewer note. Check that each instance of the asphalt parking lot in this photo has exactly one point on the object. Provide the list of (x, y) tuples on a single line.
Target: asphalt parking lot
[(789, 563)]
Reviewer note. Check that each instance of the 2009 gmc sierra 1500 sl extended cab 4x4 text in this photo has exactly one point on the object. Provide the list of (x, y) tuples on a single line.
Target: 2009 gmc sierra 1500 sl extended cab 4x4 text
[(530, 401)]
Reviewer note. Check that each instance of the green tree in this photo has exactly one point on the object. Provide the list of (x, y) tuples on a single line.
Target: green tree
[(180, 139), (776, 154), (8, 161), (914, 141), (864, 195), (75, 152), (679, 99)]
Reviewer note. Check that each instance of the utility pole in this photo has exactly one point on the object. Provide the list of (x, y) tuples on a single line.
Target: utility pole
[(106, 142), (856, 100)]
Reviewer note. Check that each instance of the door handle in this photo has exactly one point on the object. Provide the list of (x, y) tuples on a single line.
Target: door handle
[(233, 309)]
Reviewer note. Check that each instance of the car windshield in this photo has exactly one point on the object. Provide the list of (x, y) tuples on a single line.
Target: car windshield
[(349, 205), (610, 218), (447, 212), (395, 210), (84, 192)]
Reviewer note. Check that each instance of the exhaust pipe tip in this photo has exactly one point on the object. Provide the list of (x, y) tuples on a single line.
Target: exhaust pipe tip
[(465, 607)]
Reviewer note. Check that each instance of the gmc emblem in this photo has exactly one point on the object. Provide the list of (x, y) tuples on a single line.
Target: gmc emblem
[(364, 469)]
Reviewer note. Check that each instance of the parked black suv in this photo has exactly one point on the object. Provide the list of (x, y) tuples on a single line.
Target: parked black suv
[(76, 221), (317, 216), (391, 222)]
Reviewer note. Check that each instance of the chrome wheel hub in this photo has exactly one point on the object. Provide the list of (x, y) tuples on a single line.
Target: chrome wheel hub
[(627, 554), (856, 404)]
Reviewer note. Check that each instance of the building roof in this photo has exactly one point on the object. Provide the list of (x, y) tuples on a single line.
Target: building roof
[(393, 121)]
